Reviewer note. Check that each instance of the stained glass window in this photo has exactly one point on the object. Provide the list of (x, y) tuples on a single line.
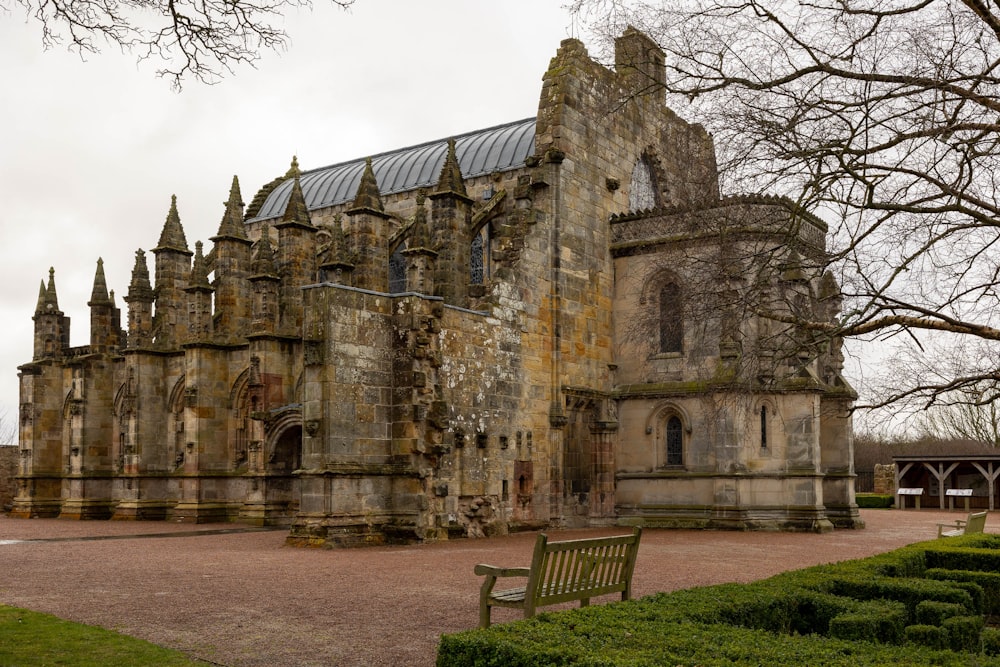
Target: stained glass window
[(478, 267), (675, 442)]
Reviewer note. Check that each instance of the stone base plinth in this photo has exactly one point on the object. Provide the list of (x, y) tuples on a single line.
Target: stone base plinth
[(31, 508), (202, 512), (143, 510), (82, 509)]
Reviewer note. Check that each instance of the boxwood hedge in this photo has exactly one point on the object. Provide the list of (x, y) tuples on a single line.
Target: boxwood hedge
[(889, 609)]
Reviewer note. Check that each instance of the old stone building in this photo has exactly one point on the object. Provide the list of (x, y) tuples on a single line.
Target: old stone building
[(556, 321)]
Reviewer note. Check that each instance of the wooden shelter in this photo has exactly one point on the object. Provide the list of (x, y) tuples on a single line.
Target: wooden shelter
[(937, 474)]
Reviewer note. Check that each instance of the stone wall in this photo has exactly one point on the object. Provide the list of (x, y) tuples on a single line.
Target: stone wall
[(8, 468), (885, 478)]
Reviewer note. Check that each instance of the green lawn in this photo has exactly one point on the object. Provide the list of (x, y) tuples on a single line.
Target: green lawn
[(29, 639)]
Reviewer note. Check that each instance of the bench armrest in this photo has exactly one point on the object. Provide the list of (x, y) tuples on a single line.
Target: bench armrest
[(494, 571), (955, 525)]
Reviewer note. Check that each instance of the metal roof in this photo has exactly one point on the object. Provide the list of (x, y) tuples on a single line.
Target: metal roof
[(499, 148), (946, 457)]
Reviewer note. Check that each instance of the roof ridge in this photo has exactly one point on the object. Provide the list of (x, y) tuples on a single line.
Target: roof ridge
[(424, 144)]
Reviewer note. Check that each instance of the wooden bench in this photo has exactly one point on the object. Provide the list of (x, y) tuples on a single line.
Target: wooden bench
[(975, 523), (563, 572)]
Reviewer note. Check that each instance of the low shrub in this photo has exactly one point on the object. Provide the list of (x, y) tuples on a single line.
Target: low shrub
[(909, 591), (772, 605), (587, 638), (963, 632), (905, 562), (988, 584), (932, 636), (932, 612), (959, 556), (875, 500), (989, 640), (880, 621)]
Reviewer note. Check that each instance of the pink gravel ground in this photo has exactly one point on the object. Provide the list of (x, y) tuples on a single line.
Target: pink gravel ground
[(240, 599)]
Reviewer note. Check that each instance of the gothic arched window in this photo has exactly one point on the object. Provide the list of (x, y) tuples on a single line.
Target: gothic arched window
[(671, 319), (642, 190), (675, 441), (397, 271), (478, 249)]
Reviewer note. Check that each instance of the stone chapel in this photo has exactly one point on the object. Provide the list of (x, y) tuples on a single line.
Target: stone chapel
[(558, 321)]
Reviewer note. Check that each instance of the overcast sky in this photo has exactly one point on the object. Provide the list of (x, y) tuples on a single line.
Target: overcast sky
[(92, 151)]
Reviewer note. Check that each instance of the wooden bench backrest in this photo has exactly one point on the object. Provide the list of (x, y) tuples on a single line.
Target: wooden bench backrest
[(570, 570), (976, 523)]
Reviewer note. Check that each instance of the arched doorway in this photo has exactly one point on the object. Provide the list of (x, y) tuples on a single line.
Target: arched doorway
[(284, 458), (274, 491)]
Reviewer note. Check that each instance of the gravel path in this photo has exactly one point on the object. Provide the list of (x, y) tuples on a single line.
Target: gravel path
[(241, 598)]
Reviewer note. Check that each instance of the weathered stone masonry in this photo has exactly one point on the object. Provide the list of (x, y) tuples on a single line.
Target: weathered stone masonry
[(541, 323)]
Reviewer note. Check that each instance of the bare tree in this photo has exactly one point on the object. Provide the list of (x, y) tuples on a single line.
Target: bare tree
[(204, 39), (880, 115), (967, 413), (8, 429), (965, 419)]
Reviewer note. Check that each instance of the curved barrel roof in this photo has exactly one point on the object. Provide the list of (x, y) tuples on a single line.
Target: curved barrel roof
[(499, 148)]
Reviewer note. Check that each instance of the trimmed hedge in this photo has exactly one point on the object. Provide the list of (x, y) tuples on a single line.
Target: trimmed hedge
[(932, 636), (963, 632), (875, 611), (885, 623), (877, 501), (987, 583), (989, 638), (910, 592), (588, 638), (963, 558), (931, 612)]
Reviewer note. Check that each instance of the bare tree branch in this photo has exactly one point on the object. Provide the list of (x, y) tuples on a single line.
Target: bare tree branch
[(8, 429), (203, 39), (881, 116)]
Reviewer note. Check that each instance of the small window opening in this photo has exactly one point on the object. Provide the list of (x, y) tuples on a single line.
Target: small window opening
[(671, 322), (675, 442), (397, 271), (642, 190)]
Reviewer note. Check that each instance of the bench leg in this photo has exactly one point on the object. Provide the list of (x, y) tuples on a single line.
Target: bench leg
[(584, 602), (484, 615)]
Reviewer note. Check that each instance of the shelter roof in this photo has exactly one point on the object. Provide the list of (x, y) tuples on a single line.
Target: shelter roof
[(946, 457)]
